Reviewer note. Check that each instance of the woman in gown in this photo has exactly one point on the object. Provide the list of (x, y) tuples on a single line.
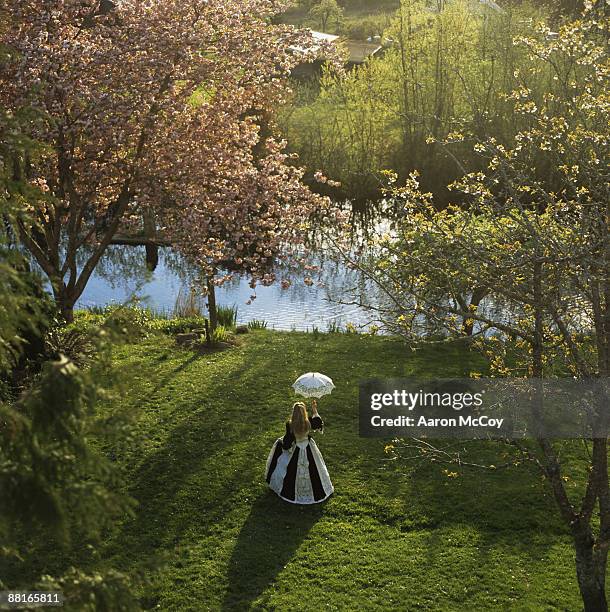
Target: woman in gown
[(295, 468)]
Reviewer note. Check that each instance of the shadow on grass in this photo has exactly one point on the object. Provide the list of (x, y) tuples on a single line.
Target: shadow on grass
[(168, 377), (267, 541), (196, 483), (499, 510), (205, 434)]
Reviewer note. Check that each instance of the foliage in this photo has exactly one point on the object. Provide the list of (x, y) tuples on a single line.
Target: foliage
[(360, 18), (220, 334), (442, 71), (26, 315), (75, 344), (16, 314), (326, 11), (366, 27), (538, 209), (167, 118), (26, 312), (105, 590), (178, 325), (227, 316), (128, 321), (57, 488), (535, 239), (133, 321), (257, 324)]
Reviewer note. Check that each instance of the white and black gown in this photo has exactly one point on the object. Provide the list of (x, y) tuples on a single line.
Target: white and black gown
[(296, 470)]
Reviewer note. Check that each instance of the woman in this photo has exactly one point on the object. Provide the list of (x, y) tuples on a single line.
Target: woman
[(295, 468)]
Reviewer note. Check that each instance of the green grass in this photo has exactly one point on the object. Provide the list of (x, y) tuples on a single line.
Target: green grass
[(393, 536)]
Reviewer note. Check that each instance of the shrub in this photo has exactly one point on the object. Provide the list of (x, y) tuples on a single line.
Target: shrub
[(220, 334), (76, 344), (129, 321), (180, 325), (134, 321), (105, 590), (88, 320), (227, 316), (95, 309), (366, 27), (57, 488), (26, 314), (257, 324)]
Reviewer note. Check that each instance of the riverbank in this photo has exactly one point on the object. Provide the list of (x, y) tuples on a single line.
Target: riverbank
[(122, 276), (395, 535)]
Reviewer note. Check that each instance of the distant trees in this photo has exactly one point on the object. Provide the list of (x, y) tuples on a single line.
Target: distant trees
[(326, 11), (361, 5), (442, 71), (343, 130), (142, 107), (560, 9)]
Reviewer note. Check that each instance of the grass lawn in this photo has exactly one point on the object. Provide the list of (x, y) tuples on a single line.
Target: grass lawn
[(393, 536)]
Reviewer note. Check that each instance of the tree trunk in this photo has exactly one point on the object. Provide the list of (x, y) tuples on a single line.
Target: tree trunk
[(66, 308), (152, 257), (591, 557), (67, 312), (591, 572), (65, 301), (150, 232), (212, 311), (478, 293)]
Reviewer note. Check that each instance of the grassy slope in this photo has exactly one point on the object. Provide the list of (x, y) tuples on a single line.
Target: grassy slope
[(391, 538)]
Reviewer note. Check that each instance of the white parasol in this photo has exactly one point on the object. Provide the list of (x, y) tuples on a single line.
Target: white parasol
[(313, 384)]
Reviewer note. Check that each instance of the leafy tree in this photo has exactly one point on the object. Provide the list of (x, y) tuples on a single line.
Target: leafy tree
[(344, 130), (536, 238), (56, 488), (326, 11), (141, 108)]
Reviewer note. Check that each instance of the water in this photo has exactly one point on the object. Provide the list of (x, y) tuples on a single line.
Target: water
[(122, 275)]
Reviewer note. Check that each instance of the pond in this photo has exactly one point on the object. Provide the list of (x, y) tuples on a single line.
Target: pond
[(122, 275)]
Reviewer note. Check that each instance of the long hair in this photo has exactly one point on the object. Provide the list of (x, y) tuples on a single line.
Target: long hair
[(299, 422)]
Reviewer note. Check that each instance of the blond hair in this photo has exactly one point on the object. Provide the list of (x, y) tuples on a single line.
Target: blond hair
[(299, 422)]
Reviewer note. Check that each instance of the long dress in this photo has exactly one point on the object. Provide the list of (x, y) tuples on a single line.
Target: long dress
[(296, 470)]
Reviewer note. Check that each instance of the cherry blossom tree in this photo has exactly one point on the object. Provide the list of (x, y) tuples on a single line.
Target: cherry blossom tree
[(151, 107)]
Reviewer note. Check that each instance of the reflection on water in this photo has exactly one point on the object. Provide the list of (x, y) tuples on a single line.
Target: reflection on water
[(122, 275)]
